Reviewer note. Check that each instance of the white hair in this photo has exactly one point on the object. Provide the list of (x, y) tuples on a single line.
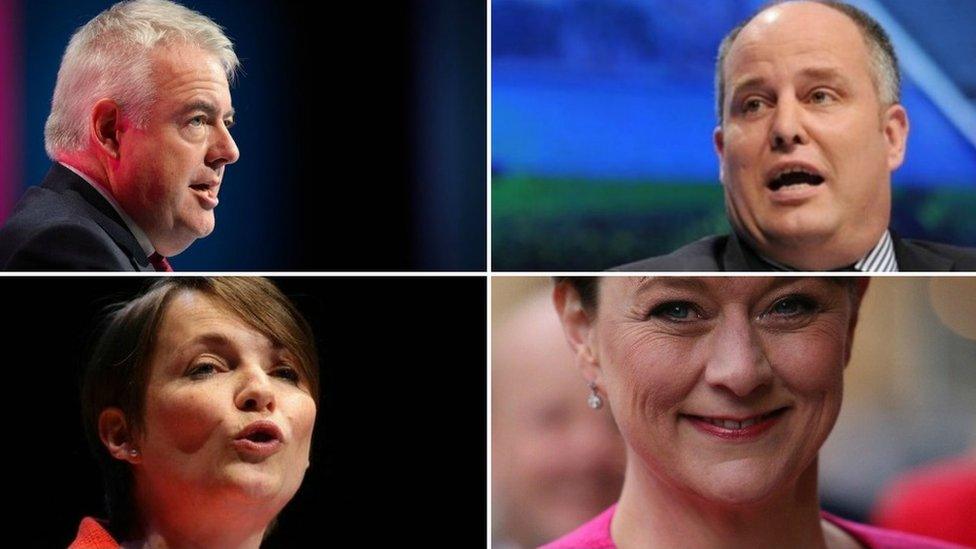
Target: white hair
[(109, 57)]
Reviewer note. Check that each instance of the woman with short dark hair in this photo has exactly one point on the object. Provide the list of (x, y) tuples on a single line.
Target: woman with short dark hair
[(199, 404)]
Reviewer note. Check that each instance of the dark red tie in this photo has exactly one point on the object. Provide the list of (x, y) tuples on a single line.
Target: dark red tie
[(160, 263)]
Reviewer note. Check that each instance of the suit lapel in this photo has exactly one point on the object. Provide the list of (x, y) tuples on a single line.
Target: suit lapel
[(61, 180), (916, 258), (738, 256)]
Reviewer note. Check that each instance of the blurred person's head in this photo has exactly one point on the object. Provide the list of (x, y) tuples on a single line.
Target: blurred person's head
[(810, 129), (201, 397), (142, 106), (555, 461)]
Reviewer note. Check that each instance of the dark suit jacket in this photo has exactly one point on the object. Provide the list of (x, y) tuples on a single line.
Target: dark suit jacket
[(730, 253), (66, 225)]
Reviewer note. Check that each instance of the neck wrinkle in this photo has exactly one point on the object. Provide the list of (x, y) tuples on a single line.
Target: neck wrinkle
[(653, 514)]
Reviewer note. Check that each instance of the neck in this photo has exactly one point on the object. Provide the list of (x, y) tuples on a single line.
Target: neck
[(189, 522), (653, 514), (89, 166)]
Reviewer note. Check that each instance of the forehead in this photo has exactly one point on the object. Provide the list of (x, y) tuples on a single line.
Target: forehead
[(182, 72), (723, 289), (190, 313), (796, 35)]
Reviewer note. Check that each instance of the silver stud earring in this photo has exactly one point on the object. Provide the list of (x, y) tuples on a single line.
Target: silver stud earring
[(594, 401), (133, 452)]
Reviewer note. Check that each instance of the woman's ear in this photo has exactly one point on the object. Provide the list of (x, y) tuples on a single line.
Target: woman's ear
[(117, 437), (579, 328)]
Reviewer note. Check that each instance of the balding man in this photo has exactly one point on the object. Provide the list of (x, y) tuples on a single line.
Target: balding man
[(139, 135), (810, 129), (555, 462)]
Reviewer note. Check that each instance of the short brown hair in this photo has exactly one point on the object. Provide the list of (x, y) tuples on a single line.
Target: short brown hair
[(884, 62), (118, 372)]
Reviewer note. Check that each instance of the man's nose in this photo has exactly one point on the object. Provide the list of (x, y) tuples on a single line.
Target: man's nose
[(223, 150), (787, 129), (737, 362)]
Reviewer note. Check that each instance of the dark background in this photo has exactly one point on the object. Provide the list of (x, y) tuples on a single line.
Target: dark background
[(361, 126), (399, 444)]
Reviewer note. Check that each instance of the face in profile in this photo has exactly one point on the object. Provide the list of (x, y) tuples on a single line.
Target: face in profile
[(723, 387), (806, 146), (228, 414), (170, 172)]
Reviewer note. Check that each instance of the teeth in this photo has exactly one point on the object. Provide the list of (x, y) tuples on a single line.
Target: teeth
[(792, 169), (731, 424)]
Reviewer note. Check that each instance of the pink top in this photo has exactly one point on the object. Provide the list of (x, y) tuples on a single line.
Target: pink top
[(596, 535)]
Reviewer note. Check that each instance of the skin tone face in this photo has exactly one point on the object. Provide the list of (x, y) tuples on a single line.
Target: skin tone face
[(799, 93), (167, 175), (763, 358), (555, 462), (214, 379)]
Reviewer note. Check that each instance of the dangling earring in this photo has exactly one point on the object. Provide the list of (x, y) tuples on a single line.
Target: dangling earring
[(594, 401)]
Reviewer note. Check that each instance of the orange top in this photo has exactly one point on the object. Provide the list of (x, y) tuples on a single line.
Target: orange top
[(92, 535)]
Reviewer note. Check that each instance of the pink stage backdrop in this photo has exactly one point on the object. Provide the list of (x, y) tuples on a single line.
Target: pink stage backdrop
[(11, 87)]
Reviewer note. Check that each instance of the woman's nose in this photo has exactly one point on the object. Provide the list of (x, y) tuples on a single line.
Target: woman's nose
[(737, 362), (255, 392)]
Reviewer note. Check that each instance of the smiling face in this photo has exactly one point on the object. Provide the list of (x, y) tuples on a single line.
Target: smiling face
[(799, 96), (169, 173), (228, 414), (722, 387)]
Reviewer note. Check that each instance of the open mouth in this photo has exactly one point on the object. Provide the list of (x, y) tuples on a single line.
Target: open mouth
[(741, 430), (794, 176)]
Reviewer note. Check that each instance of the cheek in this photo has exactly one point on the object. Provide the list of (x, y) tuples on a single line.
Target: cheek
[(810, 363), (650, 374), (182, 422), (301, 416)]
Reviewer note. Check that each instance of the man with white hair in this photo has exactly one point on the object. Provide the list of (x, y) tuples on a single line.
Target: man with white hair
[(139, 135)]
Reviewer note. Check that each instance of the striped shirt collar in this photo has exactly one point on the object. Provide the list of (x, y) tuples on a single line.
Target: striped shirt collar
[(881, 259)]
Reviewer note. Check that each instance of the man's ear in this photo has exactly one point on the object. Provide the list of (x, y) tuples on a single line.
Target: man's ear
[(894, 122), (106, 127), (860, 287), (579, 328), (718, 139), (117, 436)]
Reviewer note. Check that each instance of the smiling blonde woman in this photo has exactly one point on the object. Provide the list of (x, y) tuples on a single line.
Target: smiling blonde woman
[(724, 390)]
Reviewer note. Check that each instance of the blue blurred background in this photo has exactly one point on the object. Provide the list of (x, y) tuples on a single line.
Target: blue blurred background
[(362, 131), (603, 111)]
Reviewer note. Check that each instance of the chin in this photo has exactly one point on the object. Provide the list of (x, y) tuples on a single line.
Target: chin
[(737, 483)]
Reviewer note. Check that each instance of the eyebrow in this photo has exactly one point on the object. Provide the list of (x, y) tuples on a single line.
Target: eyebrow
[(207, 107), (810, 73), (698, 285)]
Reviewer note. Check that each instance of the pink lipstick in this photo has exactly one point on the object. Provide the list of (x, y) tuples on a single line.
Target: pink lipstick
[(736, 429)]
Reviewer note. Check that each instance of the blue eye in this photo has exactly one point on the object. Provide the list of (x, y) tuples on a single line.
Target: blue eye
[(792, 306), (674, 310)]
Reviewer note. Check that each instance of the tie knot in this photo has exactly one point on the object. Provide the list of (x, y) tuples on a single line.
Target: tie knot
[(160, 263)]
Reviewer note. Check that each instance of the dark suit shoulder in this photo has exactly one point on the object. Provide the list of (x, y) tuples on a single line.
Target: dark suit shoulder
[(700, 255), (68, 245), (58, 231), (921, 255)]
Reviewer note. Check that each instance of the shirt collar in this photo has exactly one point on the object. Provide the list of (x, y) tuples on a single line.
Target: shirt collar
[(140, 235), (881, 258)]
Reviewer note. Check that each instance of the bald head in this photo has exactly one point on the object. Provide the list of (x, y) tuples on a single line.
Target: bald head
[(788, 20)]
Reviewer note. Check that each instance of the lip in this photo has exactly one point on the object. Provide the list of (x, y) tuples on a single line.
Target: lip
[(206, 193), (259, 448), (792, 195), (762, 423)]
